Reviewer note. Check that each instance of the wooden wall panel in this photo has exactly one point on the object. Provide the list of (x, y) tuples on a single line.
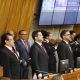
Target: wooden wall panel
[(76, 28), (4, 11), (16, 15)]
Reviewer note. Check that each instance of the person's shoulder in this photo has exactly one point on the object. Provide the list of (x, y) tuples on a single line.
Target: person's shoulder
[(62, 43), (18, 40), (35, 45), (3, 49)]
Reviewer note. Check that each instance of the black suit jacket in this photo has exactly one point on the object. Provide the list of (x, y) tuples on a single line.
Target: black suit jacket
[(10, 63), (76, 52), (65, 53), (39, 59), (51, 53)]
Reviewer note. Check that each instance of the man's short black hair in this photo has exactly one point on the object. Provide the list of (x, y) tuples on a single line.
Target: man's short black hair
[(20, 31), (35, 34), (77, 37), (63, 33), (71, 32), (47, 34), (4, 37)]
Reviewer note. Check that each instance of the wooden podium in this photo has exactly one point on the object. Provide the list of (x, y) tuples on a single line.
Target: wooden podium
[(1, 71), (72, 76)]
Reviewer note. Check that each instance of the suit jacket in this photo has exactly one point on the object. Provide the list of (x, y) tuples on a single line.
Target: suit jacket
[(39, 59), (22, 50), (76, 49), (65, 53), (51, 53), (10, 63), (76, 52)]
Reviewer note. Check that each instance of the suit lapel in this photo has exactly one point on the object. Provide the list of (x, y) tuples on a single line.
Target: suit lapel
[(67, 47), (40, 48), (10, 52), (21, 43)]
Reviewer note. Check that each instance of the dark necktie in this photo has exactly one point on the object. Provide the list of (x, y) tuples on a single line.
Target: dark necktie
[(15, 52), (44, 48)]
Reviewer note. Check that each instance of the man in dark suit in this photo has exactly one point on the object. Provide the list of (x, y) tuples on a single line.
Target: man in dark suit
[(64, 49), (39, 57), (23, 47), (76, 48), (51, 52), (8, 58)]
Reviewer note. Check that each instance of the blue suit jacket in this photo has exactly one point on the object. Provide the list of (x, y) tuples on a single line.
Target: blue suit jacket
[(22, 50)]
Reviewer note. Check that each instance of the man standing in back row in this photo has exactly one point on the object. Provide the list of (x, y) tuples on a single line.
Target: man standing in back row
[(51, 52), (64, 49)]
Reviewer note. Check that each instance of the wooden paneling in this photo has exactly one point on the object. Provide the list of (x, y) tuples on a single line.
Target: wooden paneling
[(72, 76), (76, 28), (16, 15), (1, 71)]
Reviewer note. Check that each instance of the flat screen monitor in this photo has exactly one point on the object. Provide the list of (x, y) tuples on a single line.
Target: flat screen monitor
[(64, 66), (78, 62), (59, 12)]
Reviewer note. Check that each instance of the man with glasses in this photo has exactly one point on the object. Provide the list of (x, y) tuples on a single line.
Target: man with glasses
[(23, 47), (64, 49)]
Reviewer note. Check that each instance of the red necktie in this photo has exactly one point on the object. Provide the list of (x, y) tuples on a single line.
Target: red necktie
[(26, 47), (15, 52), (44, 48)]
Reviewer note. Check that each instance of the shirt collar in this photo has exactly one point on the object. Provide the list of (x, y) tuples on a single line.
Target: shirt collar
[(39, 43), (10, 48), (76, 42), (47, 40), (66, 42), (22, 40)]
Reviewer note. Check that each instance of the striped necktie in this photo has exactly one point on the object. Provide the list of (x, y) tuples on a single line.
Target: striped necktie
[(26, 47)]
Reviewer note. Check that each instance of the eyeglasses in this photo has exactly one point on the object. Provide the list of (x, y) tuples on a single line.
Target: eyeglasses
[(67, 34)]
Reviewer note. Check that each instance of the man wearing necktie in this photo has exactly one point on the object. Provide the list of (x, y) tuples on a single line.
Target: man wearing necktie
[(23, 48), (38, 53), (64, 49), (8, 59), (51, 52)]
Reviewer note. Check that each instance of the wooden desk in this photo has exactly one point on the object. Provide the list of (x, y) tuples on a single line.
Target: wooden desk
[(5, 78), (1, 71), (72, 76)]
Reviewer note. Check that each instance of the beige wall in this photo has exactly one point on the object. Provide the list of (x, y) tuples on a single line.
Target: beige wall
[(54, 30)]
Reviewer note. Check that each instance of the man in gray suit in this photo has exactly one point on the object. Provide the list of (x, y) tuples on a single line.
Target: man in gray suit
[(39, 57), (64, 49)]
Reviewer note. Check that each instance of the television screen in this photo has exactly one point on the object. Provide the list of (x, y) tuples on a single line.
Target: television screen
[(58, 12)]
